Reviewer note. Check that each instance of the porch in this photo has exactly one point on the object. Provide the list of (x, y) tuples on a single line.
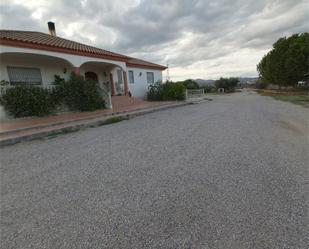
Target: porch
[(39, 68)]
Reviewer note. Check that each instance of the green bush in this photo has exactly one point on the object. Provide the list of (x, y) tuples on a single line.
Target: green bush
[(190, 84), (155, 92), (23, 101), (173, 91), (78, 94), (167, 91)]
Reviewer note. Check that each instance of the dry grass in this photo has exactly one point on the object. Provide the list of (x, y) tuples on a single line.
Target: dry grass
[(293, 96)]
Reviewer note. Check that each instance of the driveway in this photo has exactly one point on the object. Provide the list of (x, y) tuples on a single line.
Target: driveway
[(231, 173)]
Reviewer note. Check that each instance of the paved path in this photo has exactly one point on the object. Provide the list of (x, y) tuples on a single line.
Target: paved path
[(230, 173), (121, 104)]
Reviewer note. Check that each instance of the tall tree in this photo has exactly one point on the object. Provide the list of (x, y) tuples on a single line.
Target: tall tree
[(287, 62)]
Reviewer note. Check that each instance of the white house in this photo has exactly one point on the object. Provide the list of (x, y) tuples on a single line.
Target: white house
[(29, 57)]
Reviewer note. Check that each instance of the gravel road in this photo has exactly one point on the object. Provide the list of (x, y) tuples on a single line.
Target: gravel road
[(230, 173)]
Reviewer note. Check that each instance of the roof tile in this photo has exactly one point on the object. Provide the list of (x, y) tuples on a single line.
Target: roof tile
[(39, 38)]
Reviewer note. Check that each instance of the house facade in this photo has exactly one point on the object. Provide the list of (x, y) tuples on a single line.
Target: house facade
[(35, 58)]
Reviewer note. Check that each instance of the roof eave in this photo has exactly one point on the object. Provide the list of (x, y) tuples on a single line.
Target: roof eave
[(159, 67), (31, 45)]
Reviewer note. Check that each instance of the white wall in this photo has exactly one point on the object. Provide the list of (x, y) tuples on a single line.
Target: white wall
[(140, 86)]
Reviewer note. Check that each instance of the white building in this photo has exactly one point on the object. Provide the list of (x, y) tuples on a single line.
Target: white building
[(29, 57)]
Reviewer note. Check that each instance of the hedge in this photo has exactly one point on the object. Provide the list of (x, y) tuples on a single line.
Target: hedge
[(166, 91), (23, 101), (76, 93)]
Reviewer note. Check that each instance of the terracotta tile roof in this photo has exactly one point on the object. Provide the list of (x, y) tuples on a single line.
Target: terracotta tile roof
[(44, 41)]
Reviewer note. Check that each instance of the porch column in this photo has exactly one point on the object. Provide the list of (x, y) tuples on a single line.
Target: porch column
[(125, 79), (112, 84), (76, 71)]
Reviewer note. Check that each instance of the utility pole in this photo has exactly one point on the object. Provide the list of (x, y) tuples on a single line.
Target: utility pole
[(167, 72)]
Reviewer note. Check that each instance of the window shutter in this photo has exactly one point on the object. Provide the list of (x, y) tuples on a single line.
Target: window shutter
[(24, 75)]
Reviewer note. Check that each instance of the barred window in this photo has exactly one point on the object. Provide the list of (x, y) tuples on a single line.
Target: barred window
[(24, 75), (131, 77), (150, 78)]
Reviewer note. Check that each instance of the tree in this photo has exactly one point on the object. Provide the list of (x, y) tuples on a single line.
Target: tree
[(190, 84), (228, 84), (287, 62)]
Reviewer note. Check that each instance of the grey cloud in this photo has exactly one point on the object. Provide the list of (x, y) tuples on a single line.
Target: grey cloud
[(186, 32), (16, 17)]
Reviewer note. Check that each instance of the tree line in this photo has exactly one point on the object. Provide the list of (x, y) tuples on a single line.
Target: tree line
[(229, 84)]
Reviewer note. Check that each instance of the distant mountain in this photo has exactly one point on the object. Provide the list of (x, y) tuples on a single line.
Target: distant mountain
[(250, 80), (202, 82)]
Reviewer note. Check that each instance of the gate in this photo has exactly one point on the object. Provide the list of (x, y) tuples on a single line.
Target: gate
[(194, 93)]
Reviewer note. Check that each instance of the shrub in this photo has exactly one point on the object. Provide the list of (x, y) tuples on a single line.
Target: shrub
[(173, 91), (155, 91), (58, 80), (190, 84), (78, 94), (4, 83), (167, 91), (23, 101)]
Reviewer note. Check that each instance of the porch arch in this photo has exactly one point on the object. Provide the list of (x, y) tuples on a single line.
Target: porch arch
[(108, 75), (49, 65)]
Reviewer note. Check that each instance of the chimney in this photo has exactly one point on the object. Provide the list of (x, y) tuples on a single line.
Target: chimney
[(51, 28)]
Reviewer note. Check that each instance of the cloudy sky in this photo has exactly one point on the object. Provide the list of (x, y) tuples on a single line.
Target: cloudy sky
[(198, 38)]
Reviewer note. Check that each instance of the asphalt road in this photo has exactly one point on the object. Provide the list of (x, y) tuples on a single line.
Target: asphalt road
[(231, 173)]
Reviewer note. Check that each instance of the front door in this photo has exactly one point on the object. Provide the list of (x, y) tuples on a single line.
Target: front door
[(91, 76), (119, 83)]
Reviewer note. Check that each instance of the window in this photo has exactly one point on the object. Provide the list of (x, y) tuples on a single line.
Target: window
[(24, 75), (131, 77), (150, 78)]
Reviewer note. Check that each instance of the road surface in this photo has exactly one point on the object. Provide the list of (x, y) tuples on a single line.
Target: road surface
[(230, 173)]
